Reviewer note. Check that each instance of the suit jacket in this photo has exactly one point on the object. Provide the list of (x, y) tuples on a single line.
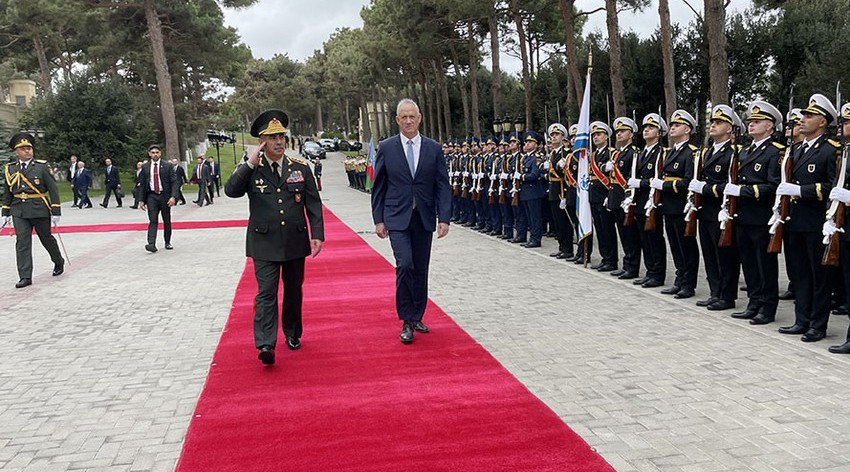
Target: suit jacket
[(180, 175), (394, 190), (113, 179), (814, 171), (170, 186), (83, 179), (280, 208), (205, 178)]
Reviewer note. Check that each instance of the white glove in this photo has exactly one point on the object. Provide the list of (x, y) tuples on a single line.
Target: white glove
[(562, 163), (465, 174), (634, 183), (696, 186), (517, 175), (494, 177), (55, 220), (6, 220), (503, 176), (546, 165), (562, 204), (657, 184), (829, 229), (732, 190), (649, 205), (723, 215), (785, 188), (840, 194), (481, 175), (626, 204), (609, 166), (605, 202)]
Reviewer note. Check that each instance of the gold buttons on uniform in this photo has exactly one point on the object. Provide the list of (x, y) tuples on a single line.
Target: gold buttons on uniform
[(280, 201), (278, 190), (282, 223), (281, 212)]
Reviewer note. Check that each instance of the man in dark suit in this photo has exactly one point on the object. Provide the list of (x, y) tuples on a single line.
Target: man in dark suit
[(113, 183), (282, 198), (201, 176), (82, 182), (158, 193), (31, 202), (410, 194), (72, 173), (180, 175), (137, 185), (215, 177)]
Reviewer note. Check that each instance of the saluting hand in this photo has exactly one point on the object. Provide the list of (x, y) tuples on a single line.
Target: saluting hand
[(254, 157)]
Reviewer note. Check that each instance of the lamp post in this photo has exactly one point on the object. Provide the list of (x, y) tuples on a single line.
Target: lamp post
[(506, 125), (497, 126), (233, 141), (519, 124)]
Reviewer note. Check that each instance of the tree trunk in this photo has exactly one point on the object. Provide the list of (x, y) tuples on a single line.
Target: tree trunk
[(573, 76), (715, 21), (496, 87), (444, 87), (667, 58), (460, 84), (472, 50), (526, 76), (438, 97), (347, 118), (163, 81), (617, 91), (320, 125), (364, 120), (43, 65)]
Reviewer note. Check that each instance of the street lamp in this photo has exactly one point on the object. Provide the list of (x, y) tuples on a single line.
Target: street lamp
[(506, 125), (519, 124)]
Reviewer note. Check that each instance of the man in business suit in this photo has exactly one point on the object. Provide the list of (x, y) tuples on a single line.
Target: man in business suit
[(283, 198), (201, 176), (215, 176), (158, 192), (137, 185), (180, 175), (113, 183), (82, 182), (410, 194), (72, 173)]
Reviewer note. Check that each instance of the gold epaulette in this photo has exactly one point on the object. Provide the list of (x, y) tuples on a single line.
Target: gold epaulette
[(779, 146), (834, 143), (693, 148), (737, 147), (296, 160), (41, 161)]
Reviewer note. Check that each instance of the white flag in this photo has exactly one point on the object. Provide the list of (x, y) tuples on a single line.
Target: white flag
[(581, 149)]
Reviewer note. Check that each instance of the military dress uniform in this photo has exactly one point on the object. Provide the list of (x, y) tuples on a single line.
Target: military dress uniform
[(603, 220), (284, 203), (844, 248), (652, 243), (30, 199), (505, 183), (555, 171), (532, 192), (623, 160)]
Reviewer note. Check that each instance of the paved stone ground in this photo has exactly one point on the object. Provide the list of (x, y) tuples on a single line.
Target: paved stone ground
[(100, 368)]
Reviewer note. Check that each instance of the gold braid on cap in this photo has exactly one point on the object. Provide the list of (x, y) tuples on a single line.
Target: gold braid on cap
[(23, 143), (274, 127), (719, 115)]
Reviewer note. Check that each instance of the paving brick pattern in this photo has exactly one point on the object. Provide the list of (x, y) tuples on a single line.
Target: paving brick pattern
[(100, 368)]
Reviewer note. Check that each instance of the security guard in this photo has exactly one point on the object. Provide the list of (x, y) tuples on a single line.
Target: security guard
[(31, 201), (809, 187), (283, 199)]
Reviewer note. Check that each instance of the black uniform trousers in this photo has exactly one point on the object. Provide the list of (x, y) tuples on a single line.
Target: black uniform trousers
[(520, 222), (23, 243), (495, 212), (158, 204), (533, 209), (812, 289), (722, 268), (684, 251), (269, 275), (606, 233), (563, 227), (761, 269), (412, 251), (630, 239), (653, 246), (844, 256), (507, 212)]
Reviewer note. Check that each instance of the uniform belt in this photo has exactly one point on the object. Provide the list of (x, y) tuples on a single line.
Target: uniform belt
[(672, 179), (24, 196)]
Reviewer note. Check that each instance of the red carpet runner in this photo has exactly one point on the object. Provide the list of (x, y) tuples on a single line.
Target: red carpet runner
[(355, 399), (113, 227)]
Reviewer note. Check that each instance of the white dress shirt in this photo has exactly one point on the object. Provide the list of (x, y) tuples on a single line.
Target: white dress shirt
[(417, 147)]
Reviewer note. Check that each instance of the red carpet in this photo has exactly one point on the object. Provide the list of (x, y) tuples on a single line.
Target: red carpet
[(112, 227), (355, 399)]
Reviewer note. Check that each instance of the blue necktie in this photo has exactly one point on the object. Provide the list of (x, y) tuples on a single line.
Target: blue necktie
[(410, 157)]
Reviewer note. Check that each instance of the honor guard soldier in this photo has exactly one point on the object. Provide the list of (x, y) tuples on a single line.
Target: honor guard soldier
[(795, 138), (505, 208), (514, 168), (555, 167), (31, 201), (809, 186), (842, 194), (721, 263), (603, 220), (284, 202), (571, 176), (532, 194), (490, 194), (758, 177), (623, 166), (649, 165)]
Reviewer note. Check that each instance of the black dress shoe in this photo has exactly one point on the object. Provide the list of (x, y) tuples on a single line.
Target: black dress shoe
[(135, 207), (150, 247), (841, 311), (618, 272), (58, 269), (628, 276), (684, 293), (813, 335), (517, 241), (406, 333), (721, 305), (671, 290), (641, 281), (652, 283), (747, 314), (532, 245), (579, 260), (708, 301), (23, 283), (596, 266), (607, 268), (793, 329), (556, 254), (169, 246), (760, 319), (786, 295), (565, 256), (420, 327), (293, 343), (266, 355), (101, 204), (842, 349)]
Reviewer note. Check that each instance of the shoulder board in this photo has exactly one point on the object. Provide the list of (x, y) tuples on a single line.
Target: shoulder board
[(296, 160), (779, 146), (834, 143), (693, 148), (41, 161)]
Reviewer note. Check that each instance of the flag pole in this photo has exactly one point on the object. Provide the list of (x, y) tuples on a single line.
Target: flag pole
[(589, 70)]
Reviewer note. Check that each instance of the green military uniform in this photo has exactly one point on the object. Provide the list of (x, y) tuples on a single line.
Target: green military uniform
[(30, 199), (283, 198)]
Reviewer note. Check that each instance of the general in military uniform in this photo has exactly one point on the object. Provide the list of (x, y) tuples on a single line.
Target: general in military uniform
[(283, 200), (31, 201)]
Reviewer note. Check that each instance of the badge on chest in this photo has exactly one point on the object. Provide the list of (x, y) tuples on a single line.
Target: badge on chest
[(811, 168), (757, 167), (295, 177), (261, 185)]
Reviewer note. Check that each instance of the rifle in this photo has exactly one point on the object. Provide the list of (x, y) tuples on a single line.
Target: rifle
[(454, 180), (654, 195), (503, 183), (494, 176), (836, 208), (630, 213), (694, 203), (517, 183), (466, 182), (730, 204), (782, 204)]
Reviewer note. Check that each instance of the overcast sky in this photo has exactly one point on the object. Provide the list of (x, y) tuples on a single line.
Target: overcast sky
[(297, 27)]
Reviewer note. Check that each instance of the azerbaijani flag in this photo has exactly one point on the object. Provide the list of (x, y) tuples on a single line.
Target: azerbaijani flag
[(582, 150), (370, 165)]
